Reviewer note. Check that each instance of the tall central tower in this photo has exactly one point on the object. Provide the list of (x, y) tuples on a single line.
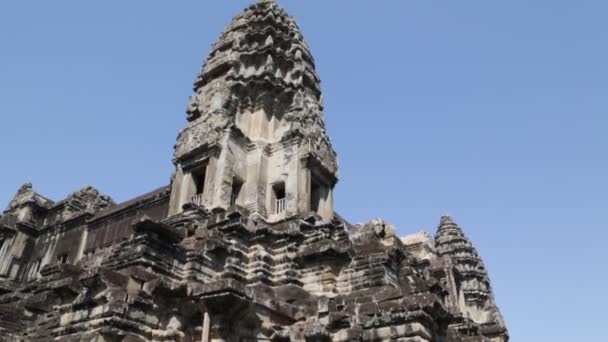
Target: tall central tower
[(256, 135)]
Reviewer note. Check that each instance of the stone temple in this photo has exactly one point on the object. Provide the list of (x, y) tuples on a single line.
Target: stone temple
[(243, 244)]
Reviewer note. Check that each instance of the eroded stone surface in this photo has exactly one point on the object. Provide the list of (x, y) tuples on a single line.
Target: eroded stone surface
[(243, 245)]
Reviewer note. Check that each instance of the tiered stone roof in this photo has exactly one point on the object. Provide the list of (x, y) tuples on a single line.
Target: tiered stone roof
[(453, 245), (262, 55)]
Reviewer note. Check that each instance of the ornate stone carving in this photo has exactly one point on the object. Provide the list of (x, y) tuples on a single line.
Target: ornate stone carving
[(453, 246), (260, 62)]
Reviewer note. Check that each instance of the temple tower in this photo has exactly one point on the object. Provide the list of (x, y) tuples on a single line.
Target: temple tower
[(476, 298), (256, 135)]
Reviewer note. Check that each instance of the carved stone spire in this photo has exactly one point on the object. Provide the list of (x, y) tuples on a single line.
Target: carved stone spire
[(259, 88), (477, 300), (260, 62), (452, 244)]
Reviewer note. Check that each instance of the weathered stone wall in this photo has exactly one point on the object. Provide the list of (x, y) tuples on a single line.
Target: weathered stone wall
[(157, 277)]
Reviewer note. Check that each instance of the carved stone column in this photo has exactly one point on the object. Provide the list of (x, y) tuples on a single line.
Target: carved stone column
[(206, 325)]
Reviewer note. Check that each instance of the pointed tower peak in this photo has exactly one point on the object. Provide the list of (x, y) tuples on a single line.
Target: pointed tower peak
[(447, 223), (447, 219), (453, 246), (267, 2), (260, 31)]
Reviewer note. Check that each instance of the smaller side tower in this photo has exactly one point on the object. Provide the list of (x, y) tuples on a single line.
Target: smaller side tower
[(256, 135), (475, 296)]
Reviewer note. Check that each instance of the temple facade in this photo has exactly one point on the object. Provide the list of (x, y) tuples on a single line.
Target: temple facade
[(243, 244)]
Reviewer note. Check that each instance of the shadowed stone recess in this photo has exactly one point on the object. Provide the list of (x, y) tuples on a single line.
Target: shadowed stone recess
[(243, 244)]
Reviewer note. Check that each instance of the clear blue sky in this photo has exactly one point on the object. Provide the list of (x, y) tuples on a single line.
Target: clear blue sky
[(493, 111)]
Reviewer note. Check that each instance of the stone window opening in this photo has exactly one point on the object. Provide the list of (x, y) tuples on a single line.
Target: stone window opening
[(199, 177), (315, 196), (279, 197), (237, 187)]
